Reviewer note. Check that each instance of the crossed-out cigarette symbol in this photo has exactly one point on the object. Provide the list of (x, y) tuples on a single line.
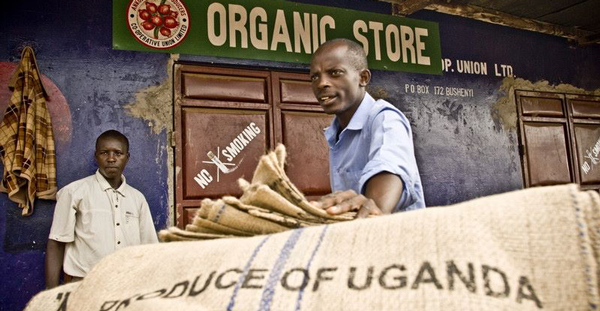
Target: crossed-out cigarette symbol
[(222, 167)]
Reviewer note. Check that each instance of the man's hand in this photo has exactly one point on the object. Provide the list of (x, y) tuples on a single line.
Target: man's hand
[(381, 196), (341, 202)]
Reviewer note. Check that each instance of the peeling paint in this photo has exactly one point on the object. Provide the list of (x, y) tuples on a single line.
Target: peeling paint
[(504, 111), (154, 103)]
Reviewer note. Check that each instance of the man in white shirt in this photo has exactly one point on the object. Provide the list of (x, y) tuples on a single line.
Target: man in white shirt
[(97, 215)]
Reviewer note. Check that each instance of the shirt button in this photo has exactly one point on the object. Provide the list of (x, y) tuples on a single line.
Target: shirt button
[(116, 206), (117, 224), (118, 242)]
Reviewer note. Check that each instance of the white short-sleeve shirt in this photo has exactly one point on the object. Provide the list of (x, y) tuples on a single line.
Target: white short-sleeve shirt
[(94, 220)]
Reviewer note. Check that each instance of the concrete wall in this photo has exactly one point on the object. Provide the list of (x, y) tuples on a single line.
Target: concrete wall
[(466, 146)]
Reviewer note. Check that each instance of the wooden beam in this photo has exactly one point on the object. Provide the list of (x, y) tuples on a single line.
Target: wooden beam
[(407, 7), (500, 18), (594, 38)]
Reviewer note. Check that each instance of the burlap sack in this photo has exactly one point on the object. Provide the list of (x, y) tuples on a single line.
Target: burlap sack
[(288, 221), (264, 197), (281, 219), (284, 220), (194, 228), (235, 202), (54, 299), (227, 215), (535, 249), (174, 234), (200, 222), (270, 204), (270, 172)]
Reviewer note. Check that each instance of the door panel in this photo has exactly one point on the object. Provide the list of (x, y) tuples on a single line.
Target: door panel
[(308, 154), (236, 139), (585, 109), (224, 87), (547, 153), (587, 138), (297, 91), (299, 123), (542, 106), (586, 131)]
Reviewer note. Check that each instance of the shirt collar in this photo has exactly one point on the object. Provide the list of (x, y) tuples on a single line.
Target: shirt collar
[(360, 116), (106, 186), (359, 119)]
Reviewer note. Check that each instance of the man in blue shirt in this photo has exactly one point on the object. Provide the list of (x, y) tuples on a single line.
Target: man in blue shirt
[(371, 157)]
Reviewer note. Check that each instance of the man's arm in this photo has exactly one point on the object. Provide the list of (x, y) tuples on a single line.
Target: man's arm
[(385, 189), (382, 193), (391, 155), (55, 253)]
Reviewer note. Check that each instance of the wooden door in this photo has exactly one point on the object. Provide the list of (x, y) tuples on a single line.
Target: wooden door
[(545, 139), (560, 138), (585, 112), (225, 119), (299, 125)]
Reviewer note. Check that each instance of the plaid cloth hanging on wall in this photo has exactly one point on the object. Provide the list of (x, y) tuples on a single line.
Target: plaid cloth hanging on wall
[(26, 139)]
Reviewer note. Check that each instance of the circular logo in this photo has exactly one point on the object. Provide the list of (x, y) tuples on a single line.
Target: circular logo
[(158, 24)]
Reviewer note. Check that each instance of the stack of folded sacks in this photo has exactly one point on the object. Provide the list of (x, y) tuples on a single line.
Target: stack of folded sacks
[(270, 204)]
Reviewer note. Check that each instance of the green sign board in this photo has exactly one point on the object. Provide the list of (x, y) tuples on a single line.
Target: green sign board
[(273, 30)]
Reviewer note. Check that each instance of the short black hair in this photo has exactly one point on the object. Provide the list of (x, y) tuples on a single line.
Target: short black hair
[(357, 54), (115, 135)]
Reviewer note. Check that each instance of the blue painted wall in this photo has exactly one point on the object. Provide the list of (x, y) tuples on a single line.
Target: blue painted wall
[(462, 149), (72, 41)]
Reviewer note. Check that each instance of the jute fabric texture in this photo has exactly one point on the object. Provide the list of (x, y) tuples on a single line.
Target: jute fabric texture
[(269, 204), (26, 139), (534, 249), (55, 299)]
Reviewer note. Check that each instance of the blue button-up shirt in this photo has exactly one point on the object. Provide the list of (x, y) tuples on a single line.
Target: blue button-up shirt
[(377, 139)]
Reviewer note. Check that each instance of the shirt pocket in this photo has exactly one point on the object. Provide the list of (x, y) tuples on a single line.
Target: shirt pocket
[(131, 217), (132, 227), (350, 179)]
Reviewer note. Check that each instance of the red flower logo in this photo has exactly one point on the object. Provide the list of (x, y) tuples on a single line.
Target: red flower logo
[(159, 24)]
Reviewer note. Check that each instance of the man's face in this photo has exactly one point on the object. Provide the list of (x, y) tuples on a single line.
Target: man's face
[(337, 84), (112, 156)]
